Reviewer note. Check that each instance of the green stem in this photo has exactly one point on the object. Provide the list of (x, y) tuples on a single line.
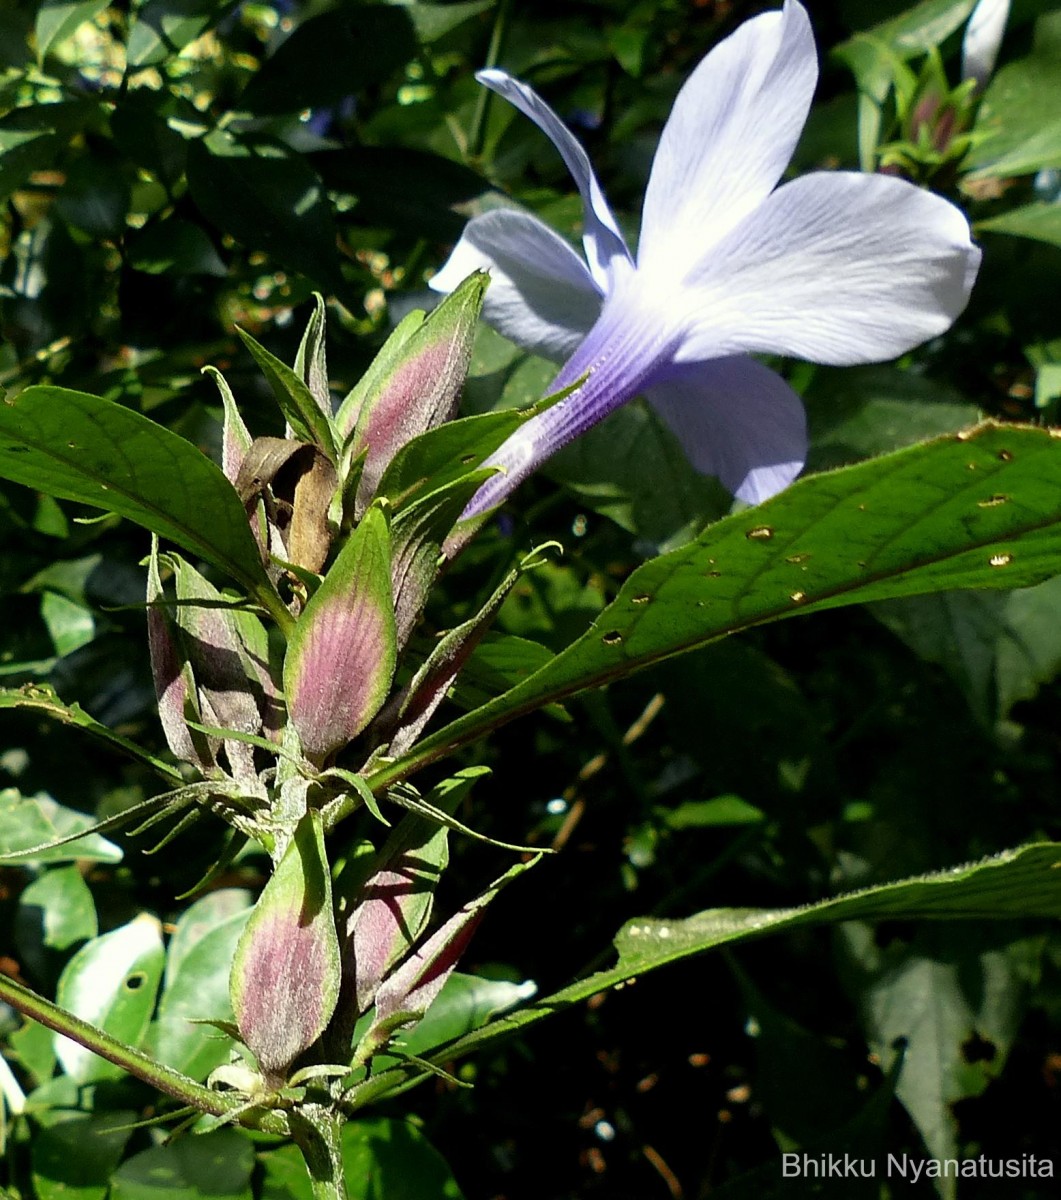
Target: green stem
[(478, 128), (136, 1062), (317, 1129), (274, 606)]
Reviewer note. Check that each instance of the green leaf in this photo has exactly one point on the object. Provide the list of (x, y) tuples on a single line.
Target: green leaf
[(267, 198), (465, 1003), (54, 912), (999, 649), (175, 247), (308, 420), (444, 454), (42, 699), (162, 28), (857, 412), (58, 19), (111, 982), (1018, 127), (398, 187), (27, 821), (632, 470), (196, 984), (1041, 222), (434, 21), (74, 1155), (95, 195), (212, 1166), (383, 1158), (955, 996), (330, 57), (81, 447), (1016, 884), (981, 509)]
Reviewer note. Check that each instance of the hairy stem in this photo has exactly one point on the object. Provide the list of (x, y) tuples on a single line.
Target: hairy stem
[(136, 1062)]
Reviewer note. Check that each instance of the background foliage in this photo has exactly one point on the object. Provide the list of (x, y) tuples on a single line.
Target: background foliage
[(173, 168)]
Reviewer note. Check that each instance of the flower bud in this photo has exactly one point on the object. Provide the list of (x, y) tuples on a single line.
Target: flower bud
[(415, 385), (285, 975), (341, 655)]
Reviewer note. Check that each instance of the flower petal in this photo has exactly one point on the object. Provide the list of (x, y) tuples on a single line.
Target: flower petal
[(737, 420), (837, 268), (630, 347), (983, 36), (730, 135), (541, 296), (604, 244)]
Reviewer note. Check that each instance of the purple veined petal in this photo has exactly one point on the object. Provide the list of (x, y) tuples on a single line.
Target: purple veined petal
[(983, 37), (629, 348), (541, 295), (729, 137), (835, 267), (604, 244), (736, 420)]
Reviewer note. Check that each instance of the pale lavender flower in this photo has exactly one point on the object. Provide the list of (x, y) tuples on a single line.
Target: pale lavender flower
[(983, 37), (834, 267)]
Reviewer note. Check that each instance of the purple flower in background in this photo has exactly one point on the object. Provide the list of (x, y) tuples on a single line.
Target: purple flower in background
[(834, 267)]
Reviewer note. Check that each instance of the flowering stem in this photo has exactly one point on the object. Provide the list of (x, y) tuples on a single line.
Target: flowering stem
[(136, 1062), (497, 38)]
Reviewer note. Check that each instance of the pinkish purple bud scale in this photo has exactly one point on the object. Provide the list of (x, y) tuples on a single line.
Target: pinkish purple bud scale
[(341, 656), (286, 972)]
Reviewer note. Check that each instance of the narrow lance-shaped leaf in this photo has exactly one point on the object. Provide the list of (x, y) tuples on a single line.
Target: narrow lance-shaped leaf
[(235, 437), (408, 993), (228, 652), (418, 533), (308, 421), (311, 363), (980, 509), (285, 974), (423, 385), (429, 685), (175, 688), (341, 655), (395, 904)]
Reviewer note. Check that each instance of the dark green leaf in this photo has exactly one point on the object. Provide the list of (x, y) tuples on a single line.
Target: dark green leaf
[(269, 199), (402, 188), (1042, 222), (382, 1157), (75, 1154), (857, 412), (955, 996), (27, 821), (42, 699), (981, 509), (1016, 884), (1018, 128), (175, 246), (330, 57), (212, 1166), (80, 447), (58, 19), (308, 421), (163, 28)]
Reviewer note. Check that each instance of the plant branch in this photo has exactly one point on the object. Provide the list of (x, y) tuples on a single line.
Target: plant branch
[(136, 1062)]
